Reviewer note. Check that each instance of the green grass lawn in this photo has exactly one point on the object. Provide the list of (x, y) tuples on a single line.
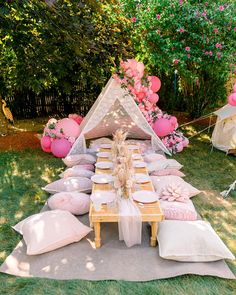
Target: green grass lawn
[(22, 175)]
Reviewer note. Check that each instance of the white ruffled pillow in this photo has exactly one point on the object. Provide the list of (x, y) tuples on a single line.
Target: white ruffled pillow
[(149, 158), (79, 159), (163, 164), (95, 144), (75, 203), (162, 182), (190, 241), (50, 230), (75, 172), (70, 184)]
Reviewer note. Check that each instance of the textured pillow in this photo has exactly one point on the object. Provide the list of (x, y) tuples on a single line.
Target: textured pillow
[(95, 144), (191, 241), (168, 171), (163, 164), (75, 203), (153, 157), (75, 172), (79, 159), (161, 182), (70, 184), (50, 230), (85, 166), (178, 210)]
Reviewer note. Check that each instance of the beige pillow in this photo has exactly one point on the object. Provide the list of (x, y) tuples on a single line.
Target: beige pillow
[(70, 184), (80, 159), (191, 241), (162, 182), (75, 203), (163, 164), (50, 230), (75, 172)]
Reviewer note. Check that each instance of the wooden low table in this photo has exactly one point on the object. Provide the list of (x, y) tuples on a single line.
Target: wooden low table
[(150, 212)]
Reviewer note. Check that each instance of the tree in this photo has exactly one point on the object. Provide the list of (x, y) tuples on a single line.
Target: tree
[(190, 41)]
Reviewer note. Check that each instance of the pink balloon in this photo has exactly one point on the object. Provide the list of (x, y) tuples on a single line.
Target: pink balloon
[(153, 98), (232, 99), (140, 96), (234, 88), (174, 122), (69, 126), (155, 83), (162, 127), (46, 144), (60, 147), (185, 142)]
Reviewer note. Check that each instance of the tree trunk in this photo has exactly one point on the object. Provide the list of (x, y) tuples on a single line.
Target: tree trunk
[(3, 122)]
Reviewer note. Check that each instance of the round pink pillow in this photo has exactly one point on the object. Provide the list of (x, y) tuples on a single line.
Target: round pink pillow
[(73, 202)]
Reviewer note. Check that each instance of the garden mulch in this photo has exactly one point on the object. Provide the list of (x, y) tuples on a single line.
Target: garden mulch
[(19, 141)]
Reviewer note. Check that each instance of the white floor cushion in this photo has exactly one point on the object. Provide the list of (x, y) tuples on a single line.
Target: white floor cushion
[(70, 184), (79, 159), (50, 230), (191, 241), (75, 172), (75, 203), (163, 164)]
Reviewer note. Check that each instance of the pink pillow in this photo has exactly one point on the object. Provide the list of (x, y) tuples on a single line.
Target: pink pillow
[(85, 166), (79, 159), (168, 171), (178, 210), (76, 171), (70, 184), (75, 203), (50, 230), (161, 182), (153, 157)]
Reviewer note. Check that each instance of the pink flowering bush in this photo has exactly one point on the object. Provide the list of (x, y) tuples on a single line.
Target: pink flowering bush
[(191, 44), (133, 77)]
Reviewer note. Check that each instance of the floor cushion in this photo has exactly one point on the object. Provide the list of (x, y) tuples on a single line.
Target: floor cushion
[(50, 230), (191, 241), (163, 164), (76, 171), (179, 210), (75, 203), (168, 171), (162, 182), (152, 157), (70, 184), (79, 159)]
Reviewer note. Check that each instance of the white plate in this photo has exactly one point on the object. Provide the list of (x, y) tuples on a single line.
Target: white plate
[(145, 196), (136, 156), (106, 145), (102, 178), (103, 197), (139, 164), (104, 165), (133, 147), (141, 178), (104, 155)]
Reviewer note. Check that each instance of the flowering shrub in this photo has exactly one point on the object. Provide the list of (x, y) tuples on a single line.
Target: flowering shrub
[(132, 76), (193, 39)]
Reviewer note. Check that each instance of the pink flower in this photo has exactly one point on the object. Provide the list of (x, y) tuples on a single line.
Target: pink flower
[(180, 2), (187, 48), (235, 29), (210, 53), (221, 8), (158, 32), (181, 30), (218, 55), (218, 45), (188, 55), (133, 19), (215, 30), (204, 14), (175, 61), (158, 16)]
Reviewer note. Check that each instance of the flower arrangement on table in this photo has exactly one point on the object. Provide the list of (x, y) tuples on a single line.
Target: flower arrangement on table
[(123, 167), (132, 76)]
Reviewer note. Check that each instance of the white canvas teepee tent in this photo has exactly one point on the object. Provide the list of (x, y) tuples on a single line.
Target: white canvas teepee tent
[(115, 108), (224, 134)]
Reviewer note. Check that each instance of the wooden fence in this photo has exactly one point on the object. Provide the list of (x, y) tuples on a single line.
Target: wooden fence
[(30, 105)]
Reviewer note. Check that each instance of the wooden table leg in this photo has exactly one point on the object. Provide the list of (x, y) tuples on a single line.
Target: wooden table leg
[(153, 241), (97, 232)]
